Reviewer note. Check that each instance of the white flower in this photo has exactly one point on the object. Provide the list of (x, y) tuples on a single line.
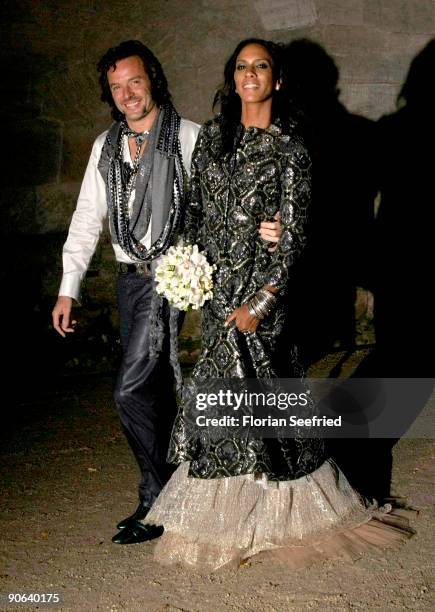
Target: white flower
[(184, 277)]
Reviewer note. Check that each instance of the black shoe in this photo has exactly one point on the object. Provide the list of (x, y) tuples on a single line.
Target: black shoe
[(137, 532), (139, 514)]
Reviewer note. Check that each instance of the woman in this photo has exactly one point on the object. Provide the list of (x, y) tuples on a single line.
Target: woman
[(234, 496)]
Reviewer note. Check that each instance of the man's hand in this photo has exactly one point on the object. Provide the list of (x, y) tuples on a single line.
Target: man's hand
[(62, 316), (245, 322), (271, 230)]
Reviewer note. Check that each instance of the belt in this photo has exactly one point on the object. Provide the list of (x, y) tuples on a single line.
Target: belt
[(142, 268)]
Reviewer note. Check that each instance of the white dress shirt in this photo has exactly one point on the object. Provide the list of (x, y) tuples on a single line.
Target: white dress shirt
[(91, 211)]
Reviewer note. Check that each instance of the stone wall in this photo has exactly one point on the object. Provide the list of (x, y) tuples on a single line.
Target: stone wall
[(52, 110)]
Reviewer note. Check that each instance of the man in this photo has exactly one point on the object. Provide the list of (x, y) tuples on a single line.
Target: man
[(137, 175)]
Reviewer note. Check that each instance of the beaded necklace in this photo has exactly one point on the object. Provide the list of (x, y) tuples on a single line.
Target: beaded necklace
[(120, 183)]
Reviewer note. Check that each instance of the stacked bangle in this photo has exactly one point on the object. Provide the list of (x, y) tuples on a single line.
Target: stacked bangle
[(262, 304)]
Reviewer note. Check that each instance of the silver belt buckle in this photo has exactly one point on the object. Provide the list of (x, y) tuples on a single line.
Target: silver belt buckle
[(143, 268)]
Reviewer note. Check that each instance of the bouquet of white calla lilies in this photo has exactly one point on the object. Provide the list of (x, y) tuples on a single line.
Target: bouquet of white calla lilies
[(184, 277)]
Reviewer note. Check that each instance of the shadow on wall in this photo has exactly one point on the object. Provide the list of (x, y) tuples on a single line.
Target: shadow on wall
[(403, 266), (340, 226), (405, 251)]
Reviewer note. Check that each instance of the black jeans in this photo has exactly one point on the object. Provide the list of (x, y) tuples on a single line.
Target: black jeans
[(144, 393)]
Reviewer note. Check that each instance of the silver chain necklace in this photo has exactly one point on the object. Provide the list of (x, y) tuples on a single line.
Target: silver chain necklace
[(140, 138)]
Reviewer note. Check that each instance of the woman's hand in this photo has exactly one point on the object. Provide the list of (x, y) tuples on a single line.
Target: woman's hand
[(245, 322)]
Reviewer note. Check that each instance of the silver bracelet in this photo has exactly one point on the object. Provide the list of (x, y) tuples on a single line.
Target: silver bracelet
[(261, 304)]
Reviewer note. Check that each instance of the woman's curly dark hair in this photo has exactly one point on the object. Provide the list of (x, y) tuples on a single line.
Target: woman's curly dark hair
[(229, 101), (154, 70)]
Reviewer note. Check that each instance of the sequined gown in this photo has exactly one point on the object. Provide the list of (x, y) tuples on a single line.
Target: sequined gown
[(232, 498), (230, 196)]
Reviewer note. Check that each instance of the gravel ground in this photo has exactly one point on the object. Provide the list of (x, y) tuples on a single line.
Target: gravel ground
[(68, 477)]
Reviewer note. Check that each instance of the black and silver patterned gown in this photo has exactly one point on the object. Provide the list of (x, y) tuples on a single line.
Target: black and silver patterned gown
[(234, 497), (231, 195)]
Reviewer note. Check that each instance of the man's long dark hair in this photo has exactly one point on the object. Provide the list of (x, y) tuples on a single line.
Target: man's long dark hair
[(229, 101), (153, 68)]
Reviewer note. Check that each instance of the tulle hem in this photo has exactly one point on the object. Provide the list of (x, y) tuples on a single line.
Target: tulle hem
[(221, 523)]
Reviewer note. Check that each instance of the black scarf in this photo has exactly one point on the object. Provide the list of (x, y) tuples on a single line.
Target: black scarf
[(167, 187)]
